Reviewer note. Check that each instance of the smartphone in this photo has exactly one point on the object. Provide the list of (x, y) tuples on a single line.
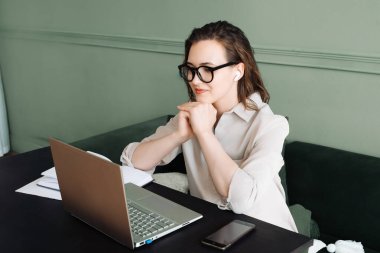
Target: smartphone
[(228, 234)]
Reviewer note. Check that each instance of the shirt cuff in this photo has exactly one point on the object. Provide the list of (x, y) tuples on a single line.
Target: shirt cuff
[(242, 192), (126, 156)]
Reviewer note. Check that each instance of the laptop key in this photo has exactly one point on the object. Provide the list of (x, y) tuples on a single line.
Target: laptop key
[(156, 227)]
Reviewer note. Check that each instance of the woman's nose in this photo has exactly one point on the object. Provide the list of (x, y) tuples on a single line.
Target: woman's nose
[(196, 80)]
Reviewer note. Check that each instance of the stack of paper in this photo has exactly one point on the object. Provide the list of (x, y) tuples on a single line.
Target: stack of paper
[(49, 179), (47, 185), (130, 175)]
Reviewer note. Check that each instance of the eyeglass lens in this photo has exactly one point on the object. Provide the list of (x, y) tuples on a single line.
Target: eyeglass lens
[(204, 74)]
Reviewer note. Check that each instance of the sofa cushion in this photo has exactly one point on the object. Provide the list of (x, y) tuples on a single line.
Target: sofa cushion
[(302, 218), (340, 188), (174, 180), (314, 230)]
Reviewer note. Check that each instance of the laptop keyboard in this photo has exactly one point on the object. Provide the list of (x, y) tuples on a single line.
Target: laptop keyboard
[(144, 222)]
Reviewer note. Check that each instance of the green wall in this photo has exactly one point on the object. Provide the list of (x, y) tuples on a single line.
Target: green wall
[(73, 69)]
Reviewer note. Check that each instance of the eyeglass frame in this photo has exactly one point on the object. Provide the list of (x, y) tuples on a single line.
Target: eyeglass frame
[(195, 71)]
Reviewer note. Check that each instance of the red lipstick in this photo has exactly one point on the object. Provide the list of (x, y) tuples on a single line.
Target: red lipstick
[(199, 91)]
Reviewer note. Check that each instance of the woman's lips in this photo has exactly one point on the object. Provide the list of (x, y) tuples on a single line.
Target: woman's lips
[(199, 91)]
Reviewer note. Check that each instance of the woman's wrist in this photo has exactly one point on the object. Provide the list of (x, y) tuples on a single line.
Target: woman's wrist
[(179, 138), (204, 135)]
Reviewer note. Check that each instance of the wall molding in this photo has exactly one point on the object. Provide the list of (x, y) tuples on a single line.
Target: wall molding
[(266, 55)]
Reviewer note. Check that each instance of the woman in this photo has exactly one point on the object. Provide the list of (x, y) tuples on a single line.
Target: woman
[(230, 139)]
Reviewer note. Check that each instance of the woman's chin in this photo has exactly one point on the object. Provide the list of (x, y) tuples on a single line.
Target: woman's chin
[(204, 99)]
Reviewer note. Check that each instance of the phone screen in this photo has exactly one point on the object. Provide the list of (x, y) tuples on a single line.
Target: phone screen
[(228, 234)]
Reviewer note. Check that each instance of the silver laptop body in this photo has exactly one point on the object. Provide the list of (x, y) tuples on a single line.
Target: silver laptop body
[(92, 190)]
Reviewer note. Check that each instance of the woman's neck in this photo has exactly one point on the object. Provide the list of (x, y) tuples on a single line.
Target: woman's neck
[(225, 106)]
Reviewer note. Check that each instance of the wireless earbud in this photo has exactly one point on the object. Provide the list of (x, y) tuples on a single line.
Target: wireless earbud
[(237, 76)]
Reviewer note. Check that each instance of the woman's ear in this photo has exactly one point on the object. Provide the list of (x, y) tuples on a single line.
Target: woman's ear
[(239, 71)]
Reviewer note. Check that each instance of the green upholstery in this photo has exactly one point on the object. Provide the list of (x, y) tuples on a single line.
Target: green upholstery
[(314, 229), (301, 215), (305, 224), (282, 175), (303, 221), (340, 188)]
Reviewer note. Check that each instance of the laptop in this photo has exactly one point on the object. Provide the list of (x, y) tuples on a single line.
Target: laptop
[(92, 190)]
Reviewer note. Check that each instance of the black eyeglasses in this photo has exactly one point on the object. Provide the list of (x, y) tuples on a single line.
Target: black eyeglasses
[(204, 73)]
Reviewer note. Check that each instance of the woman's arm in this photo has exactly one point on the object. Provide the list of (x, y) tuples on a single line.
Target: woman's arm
[(148, 154), (202, 118), (258, 173), (221, 166)]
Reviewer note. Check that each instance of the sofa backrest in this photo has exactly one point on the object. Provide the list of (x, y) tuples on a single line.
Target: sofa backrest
[(111, 144), (341, 189)]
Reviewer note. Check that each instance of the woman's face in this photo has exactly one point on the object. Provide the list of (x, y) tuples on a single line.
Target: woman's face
[(223, 89)]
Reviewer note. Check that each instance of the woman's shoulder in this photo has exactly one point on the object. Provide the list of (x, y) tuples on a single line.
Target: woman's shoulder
[(272, 123), (267, 119)]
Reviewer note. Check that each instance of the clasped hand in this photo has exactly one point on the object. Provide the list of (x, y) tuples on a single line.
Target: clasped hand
[(196, 118)]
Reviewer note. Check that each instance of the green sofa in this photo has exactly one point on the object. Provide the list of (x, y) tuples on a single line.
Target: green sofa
[(340, 188), (332, 188)]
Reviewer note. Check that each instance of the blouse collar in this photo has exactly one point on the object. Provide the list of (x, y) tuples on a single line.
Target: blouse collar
[(246, 114)]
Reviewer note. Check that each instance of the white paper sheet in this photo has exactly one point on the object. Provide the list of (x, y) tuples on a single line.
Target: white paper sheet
[(47, 186), (33, 189)]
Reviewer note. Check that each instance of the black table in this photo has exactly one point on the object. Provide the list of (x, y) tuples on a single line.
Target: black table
[(34, 224)]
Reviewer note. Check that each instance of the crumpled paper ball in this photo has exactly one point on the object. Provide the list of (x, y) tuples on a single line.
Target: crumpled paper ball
[(331, 248), (348, 247), (340, 246)]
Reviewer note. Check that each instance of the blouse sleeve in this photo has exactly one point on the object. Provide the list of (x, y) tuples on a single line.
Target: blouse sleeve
[(260, 168), (170, 127)]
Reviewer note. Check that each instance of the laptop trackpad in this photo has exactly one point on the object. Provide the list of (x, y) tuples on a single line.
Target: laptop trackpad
[(136, 193)]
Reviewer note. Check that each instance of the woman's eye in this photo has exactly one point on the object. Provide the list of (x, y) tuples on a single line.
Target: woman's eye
[(206, 70)]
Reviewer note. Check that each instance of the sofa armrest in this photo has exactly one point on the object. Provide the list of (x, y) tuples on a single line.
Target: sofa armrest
[(340, 188)]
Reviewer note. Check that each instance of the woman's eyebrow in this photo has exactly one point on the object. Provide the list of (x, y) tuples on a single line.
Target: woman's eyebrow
[(201, 64)]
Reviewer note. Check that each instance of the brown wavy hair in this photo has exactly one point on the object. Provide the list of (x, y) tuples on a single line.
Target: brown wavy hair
[(238, 49)]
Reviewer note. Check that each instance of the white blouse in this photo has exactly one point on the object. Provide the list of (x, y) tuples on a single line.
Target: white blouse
[(254, 140)]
